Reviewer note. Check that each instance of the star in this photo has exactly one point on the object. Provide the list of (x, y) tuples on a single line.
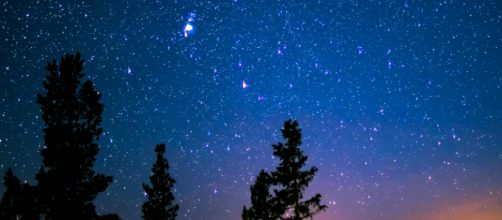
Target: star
[(188, 29)]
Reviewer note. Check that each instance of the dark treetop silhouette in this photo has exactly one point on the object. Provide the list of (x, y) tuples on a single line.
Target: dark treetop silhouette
[(287, 183), (261, 207), (17, 201), (160, 197), (67, 183)]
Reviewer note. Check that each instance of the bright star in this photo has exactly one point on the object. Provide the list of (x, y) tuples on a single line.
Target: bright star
[(188, 28), (244, 84)]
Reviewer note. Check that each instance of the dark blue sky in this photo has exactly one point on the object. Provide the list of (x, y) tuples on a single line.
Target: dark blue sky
[(399, 101)]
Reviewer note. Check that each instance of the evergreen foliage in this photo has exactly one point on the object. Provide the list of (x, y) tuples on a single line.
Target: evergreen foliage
[(288, 182), (160, 204), (260, 199), (18, 201), (67, 183)]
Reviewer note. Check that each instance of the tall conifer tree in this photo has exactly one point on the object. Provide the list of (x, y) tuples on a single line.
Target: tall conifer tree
[(160, 204), (67, 183), (287, 182), (291, 179)]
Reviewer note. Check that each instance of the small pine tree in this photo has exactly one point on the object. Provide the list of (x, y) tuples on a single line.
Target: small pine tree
[(18, 201), (287, 183), (67, 183), (292, 180), (160, 197), (260, 200)]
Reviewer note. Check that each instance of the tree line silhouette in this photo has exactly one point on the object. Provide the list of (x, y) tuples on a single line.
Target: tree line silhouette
[(67, 184)]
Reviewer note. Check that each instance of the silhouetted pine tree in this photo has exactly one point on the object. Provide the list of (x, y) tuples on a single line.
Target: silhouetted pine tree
[(159, 205), (291, 179), (288, 183), (260, 200), (18, 200), (67, 183)]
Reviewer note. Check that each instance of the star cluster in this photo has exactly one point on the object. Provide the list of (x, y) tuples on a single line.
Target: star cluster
[(399, 101)]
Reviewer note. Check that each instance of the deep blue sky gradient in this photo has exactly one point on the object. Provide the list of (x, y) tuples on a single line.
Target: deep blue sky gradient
[(399, 101)]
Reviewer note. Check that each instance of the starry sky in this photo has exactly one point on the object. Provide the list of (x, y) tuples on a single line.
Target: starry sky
[(399, 101)]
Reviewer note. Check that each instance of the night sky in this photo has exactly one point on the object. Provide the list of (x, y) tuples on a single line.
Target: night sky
[(400, 102)]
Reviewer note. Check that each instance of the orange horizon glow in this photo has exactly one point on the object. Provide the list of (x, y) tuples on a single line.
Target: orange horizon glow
[(473, 209)]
